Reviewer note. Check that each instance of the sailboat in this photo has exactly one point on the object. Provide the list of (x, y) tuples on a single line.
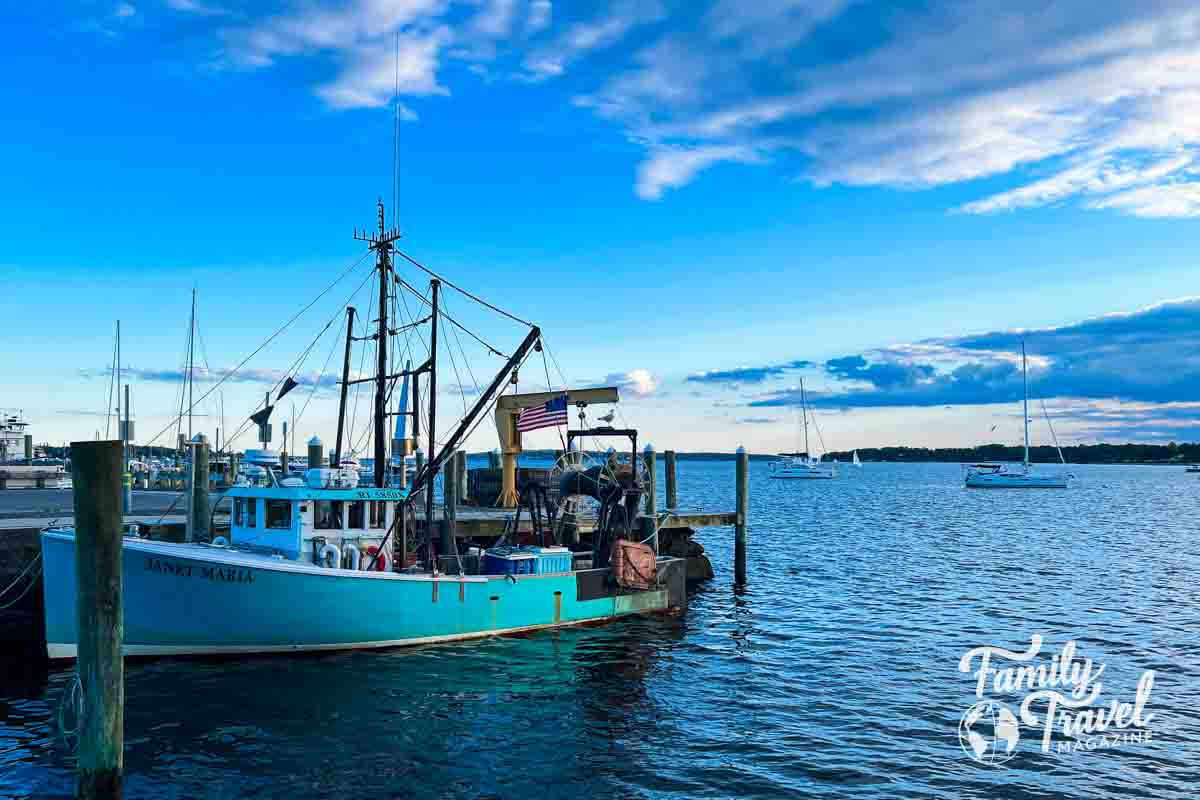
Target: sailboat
[(1003, 476), (798, 465), (856, 462)]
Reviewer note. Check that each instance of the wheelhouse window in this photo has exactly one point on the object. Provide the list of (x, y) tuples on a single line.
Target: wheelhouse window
[(357, 515), (239, 511), (327, 515), (279, 514), (378, 510), (251, 518)]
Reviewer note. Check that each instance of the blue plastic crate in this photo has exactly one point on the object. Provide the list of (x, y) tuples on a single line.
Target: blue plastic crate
[(508, 561), (550, 559)]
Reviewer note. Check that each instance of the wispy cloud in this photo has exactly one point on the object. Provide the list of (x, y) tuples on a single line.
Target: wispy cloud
[(196, 7), (1066, 102), (203, 375), (738, 375)]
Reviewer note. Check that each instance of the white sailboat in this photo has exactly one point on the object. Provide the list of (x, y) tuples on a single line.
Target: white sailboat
[(856, 462), (802, 466), (1004, 476)]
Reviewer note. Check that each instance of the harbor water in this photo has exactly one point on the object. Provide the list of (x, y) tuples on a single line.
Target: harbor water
[(834, 673)]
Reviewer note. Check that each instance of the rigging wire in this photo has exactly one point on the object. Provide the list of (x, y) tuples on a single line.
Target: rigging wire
[(299, 361), (269, 339), (451, 319), (459, 289)]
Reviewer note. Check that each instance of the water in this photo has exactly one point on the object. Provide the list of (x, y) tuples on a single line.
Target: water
[(835, 674)]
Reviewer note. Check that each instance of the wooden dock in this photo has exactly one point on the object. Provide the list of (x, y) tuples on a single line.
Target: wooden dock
[(483, 522)]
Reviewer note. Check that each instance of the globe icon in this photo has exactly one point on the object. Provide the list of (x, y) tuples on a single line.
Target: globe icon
[(989, 732)]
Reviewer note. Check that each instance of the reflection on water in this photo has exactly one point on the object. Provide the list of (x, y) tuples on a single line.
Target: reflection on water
[(834, 673)]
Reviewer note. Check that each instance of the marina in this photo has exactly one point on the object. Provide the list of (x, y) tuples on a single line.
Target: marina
[(499, 399)]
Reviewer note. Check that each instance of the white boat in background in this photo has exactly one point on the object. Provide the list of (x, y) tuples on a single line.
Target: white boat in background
[(803, 465), (856, 462), (1024, 476)]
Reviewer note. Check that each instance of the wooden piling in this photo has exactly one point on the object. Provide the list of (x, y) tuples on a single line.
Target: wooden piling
[(198, 505), (96, 473), (669, 469), (651, 520), (464, 490), (740, 533)]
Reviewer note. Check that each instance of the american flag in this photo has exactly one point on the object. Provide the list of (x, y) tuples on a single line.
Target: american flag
[(548, 414)]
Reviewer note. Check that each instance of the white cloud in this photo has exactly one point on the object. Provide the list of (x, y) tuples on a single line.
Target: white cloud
[(672, 167), (195, 7), (640, 382), (323, 27), (581, 38), (369, 77)]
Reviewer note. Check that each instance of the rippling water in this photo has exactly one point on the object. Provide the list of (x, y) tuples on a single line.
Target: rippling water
[(833, 674)]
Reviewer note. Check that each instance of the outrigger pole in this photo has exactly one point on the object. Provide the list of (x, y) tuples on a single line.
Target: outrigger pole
[(337, 447)]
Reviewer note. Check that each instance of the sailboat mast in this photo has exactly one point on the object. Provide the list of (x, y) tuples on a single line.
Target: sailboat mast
[(191, 360), (804, 415), (1025, 405), (384, 249)]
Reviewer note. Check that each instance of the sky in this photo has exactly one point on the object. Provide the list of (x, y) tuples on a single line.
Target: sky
[(703, 203)]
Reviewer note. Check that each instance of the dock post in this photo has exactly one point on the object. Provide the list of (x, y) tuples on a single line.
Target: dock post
[(450, 501), (96, 469), (421, 464), (651, 523), (669, 469), (743, 498), (316, 451), (198, 508)]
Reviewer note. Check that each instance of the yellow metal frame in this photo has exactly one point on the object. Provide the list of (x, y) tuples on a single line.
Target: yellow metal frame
[(509, 407)]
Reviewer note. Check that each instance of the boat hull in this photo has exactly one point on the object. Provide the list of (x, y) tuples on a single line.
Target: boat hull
[(201, 600), (1003, 481)]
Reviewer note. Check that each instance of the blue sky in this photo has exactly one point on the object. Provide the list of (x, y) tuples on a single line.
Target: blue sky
[(705, 202)]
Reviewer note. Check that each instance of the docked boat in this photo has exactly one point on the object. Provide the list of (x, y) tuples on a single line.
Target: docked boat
[(1024, 475), (316, 561), (802, 465)]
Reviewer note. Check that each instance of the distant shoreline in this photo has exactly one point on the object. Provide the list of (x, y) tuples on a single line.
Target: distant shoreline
[(1149, 454)]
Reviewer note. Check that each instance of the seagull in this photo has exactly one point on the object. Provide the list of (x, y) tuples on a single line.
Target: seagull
[(608, 417)]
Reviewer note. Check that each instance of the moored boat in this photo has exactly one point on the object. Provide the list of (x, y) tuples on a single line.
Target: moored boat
[(316, 561)]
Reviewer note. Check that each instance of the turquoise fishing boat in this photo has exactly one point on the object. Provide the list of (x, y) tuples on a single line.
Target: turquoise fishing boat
[(315, 561)]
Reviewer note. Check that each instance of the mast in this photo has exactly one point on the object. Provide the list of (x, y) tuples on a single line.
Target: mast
[(435, 285), (381, 243), (381, 365), (804, 415), (191, 360), (1025, 405), (337, 446)]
